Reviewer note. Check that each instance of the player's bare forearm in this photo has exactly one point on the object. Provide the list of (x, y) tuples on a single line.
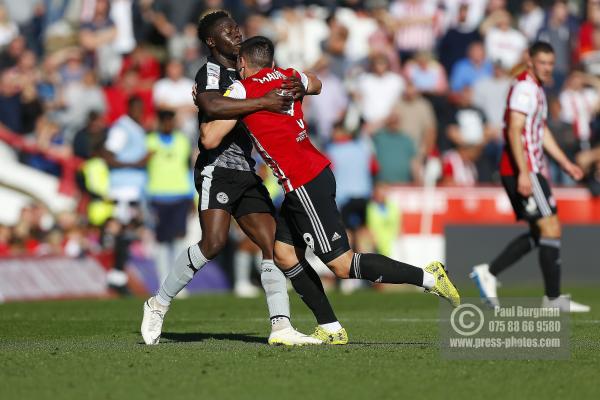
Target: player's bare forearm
[(515, 138), (553, 149), (213, 132), (215, 106), (314, 84), (515, 131)]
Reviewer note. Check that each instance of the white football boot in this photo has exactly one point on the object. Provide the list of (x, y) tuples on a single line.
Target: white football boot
[(154, 315), (291, 337), (486, 283), (565, 304), (246, 290)]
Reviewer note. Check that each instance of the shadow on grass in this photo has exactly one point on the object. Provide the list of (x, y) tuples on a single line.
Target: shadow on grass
[(183, 337), (427, 344)]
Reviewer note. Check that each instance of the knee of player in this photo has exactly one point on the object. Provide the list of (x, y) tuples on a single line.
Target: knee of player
[(284, 260), (341, 265), (551, 229)]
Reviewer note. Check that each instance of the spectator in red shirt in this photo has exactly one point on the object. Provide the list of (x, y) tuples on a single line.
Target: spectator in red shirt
[(119, 93)]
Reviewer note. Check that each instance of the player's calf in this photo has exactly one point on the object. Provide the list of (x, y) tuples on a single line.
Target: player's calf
[(380, 269)]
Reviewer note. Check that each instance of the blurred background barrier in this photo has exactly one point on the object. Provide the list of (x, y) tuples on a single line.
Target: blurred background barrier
[(51, 278)]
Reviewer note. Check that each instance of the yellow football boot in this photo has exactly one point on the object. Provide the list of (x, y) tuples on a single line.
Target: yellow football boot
[(339, 337), (443, 286)]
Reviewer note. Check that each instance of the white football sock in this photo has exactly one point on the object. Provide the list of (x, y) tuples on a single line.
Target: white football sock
[(186, 265), (428, 280), (332, 327), (275, 286)]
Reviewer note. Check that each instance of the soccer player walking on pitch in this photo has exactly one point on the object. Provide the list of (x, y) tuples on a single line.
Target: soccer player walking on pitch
[(228, 186), (522, 169), (309, 215)]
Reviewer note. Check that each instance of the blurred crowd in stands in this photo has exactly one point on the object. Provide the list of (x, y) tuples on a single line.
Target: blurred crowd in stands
[(406, 83)]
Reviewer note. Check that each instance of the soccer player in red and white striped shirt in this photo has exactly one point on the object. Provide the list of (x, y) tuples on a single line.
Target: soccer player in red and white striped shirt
[(522, 168), (309, 216)]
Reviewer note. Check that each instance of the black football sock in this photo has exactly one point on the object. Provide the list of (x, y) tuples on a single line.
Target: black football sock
[(378, 268), (516, 249), (550, 264), (307, 284)]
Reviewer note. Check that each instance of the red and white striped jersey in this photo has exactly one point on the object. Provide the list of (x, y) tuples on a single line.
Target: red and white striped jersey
[(280, 139), (462, 172), (526, 96), (416, 36), (578, 108)]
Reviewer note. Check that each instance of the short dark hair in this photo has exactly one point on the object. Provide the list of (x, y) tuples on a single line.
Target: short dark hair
[(540, 47), (258, 51), (208, 21), (164, 114), (134, 101)]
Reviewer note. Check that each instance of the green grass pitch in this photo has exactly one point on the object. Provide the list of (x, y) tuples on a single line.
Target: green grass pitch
[(213, 347)]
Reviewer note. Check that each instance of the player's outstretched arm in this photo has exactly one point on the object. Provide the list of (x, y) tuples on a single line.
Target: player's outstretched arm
[(314, 84), (215, 106), (515, 137), (301, 85), (213, 132), (554, 150)]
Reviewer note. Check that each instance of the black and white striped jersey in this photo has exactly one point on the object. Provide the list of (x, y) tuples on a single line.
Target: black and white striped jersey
[(235, 151)]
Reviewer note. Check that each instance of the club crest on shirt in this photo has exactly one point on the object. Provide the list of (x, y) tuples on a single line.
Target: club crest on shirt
[(222, 198)]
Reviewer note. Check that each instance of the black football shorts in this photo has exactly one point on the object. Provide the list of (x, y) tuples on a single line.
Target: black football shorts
[(309, 217), (237, 192), (539, 205)]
